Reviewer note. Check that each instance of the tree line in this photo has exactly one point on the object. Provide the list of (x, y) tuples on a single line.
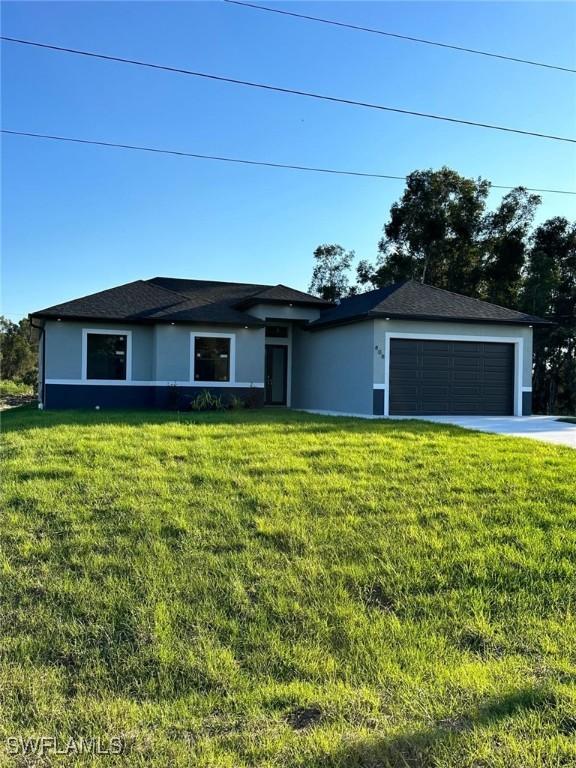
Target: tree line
[(18, 352), (441, 232)]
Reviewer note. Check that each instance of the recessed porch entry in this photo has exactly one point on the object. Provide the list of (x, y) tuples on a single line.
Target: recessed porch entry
[(276, 374)]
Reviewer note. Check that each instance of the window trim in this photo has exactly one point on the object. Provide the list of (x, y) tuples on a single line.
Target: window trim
[(106, 332), (232, 362)]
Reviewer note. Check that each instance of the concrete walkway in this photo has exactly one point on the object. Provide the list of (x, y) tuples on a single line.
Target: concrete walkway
[(545, 428)]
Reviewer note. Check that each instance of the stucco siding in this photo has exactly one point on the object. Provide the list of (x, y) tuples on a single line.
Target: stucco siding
[(142, 353), (159, 353), (333, 369), (173, 352), (134, 396), (64, 348), (250, 355), (279, 312)]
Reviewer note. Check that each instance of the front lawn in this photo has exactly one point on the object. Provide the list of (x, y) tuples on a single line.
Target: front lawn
[(275, 589)]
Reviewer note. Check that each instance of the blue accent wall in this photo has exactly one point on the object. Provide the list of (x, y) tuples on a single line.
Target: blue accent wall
[(134, 397), (378, 402), (526, 403)]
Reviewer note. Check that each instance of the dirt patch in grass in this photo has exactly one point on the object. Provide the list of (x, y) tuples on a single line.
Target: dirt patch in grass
[(14, 401), (304, 717)]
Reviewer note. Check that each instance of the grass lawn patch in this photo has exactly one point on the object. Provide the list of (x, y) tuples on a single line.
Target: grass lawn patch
[(14, 393), (568, 419), (10, 388), (270, 589)]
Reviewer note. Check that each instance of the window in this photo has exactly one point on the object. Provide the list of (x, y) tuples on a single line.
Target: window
[(212, 358), (106, 355), (277, 331)]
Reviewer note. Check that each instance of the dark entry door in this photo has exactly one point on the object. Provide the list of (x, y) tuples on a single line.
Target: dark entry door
[(451, 377), (276, 371)]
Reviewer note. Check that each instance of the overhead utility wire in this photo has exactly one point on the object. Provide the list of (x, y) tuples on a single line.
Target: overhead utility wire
[(278, 89), (241, 161), (412, 39)]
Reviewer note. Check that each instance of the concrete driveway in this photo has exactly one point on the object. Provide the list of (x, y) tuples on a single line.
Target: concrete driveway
[(545, 428)]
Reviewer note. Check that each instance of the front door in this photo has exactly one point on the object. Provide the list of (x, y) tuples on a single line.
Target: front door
[(276, 374)]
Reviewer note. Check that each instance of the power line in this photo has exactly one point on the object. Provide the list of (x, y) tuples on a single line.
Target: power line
[(401, 37), (279, 89), (242, 161)]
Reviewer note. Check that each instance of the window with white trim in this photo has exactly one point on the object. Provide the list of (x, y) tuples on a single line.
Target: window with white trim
[(106, 356), (212, 358)]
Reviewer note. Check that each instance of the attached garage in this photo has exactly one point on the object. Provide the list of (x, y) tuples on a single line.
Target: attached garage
[(437, 376)]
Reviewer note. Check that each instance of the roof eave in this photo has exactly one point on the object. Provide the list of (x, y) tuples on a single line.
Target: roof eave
[(143, 320), (251, 302), (319, 324), (455, 319)]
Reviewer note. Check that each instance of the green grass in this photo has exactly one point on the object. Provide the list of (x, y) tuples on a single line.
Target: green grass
[(568, 419), (276, 589), (12, 388)]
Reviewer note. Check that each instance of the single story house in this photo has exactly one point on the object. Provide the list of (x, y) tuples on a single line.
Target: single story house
[(405, 349)]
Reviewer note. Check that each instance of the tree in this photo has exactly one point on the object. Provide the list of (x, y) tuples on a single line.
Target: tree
[(433, 234), (18, 357), (506, 245), (550, 291), (440, 233), (330, 278)]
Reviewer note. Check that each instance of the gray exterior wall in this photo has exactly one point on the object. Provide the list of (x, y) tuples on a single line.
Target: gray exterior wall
[(332, 370), (64, 348), (159, 353), (172, 352), (280, 312)]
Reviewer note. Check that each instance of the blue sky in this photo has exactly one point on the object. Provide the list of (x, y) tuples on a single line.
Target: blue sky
[(79, 219)]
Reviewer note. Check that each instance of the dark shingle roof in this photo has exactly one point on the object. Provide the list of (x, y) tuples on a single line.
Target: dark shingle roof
[(166, 299), (132, 301), (415, 301), (280, 294)]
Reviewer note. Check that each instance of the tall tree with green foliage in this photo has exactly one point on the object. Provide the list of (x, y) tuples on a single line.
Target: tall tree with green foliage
[(440, 233), (506, 243), (549, 291), (330, 278), (18, 351), (434, 234)]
